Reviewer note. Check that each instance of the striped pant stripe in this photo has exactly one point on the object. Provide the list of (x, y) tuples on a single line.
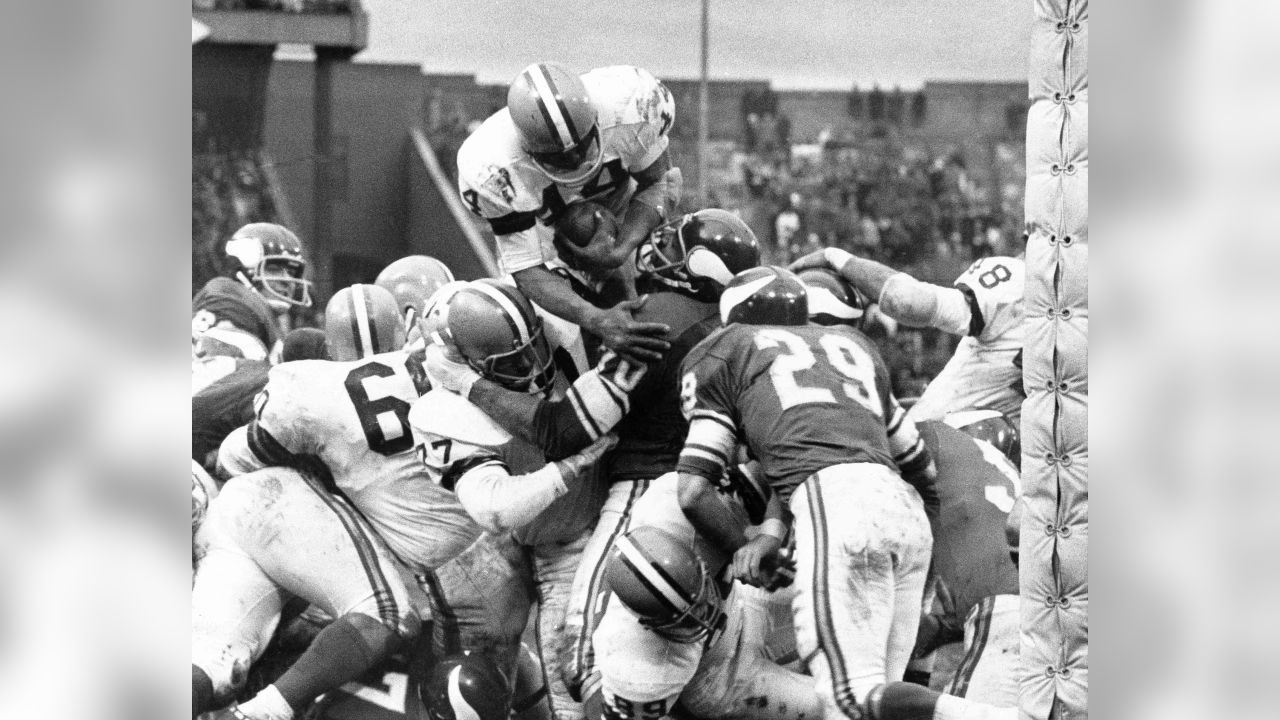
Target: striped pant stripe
[(361, 535), (981, 631), (585, 655), (827, 640), (443, 612)]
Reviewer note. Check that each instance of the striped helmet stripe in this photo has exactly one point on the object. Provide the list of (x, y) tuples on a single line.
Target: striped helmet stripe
[(648, 573), (360, 330), (553, 109), (520, 323)]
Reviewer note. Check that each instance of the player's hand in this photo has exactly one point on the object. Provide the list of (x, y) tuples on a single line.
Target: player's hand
[(598, 254), (828, 258), (756, 562), (573, 466), (446, 369), (636, 342)]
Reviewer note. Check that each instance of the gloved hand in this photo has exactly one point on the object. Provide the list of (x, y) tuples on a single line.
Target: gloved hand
[(575, 465), (450, 373)]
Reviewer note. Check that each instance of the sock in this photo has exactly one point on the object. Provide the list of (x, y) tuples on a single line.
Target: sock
[(341, 652), (267, 705), (201, 691)]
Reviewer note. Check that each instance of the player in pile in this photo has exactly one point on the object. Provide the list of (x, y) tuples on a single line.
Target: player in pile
[(684, 266), (812, 404), (562, 138), (242, 316), (984, 307)]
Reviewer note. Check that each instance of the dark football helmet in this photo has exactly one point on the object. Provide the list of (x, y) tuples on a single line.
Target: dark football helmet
[(699, 253), (467, 686), (268, 258), (666, 585), (993, 427), (832, 300), (556, 121), (768, 295)]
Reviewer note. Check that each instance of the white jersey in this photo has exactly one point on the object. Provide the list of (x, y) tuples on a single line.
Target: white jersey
[(986, 370), (354, 418), (501, 183), (460, 439)]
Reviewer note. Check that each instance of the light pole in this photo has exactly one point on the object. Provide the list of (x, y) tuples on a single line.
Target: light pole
[(702, 108)]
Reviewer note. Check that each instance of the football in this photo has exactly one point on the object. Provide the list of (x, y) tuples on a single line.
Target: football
[(581, 220)]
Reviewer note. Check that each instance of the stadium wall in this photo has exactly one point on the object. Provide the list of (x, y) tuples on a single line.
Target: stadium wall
[(1054, 578)]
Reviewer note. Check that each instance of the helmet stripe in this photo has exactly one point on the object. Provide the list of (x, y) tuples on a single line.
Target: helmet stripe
[(462, 709), (735, 296), (365, 336), (519, 323), (553, 109), (650, 574)]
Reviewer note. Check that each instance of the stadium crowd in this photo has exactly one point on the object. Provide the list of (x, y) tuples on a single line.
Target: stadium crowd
[(650, 472)]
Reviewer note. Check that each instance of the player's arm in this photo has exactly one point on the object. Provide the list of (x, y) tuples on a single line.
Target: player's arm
[(900, 296), (497, 500), (591, 407), (657, 193), (703, 461), (638, 342), (913, 458)]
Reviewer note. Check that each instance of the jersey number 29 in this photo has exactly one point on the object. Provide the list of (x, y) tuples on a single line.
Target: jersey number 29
[(842, 354)]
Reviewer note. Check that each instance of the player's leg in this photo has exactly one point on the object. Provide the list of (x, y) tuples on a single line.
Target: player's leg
[(989, 671), (588, 597), (480, 602), (235, 607), (320, 549), (909, 542), (844, 605), (554, 567), (736, 679)]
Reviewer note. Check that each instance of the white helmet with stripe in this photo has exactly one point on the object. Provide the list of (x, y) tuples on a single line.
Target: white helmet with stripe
[(665, 584), (556, 120), (360, 321)]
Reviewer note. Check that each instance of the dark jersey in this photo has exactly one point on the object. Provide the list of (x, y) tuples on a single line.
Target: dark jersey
[(225, 299), (224, 405), (801, 398), (977, 486), (652, 433)]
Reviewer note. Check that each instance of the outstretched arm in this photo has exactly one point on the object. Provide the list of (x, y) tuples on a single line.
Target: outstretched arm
[(900, 296)]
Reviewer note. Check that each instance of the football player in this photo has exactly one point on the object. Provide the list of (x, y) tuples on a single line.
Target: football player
[(684, 267), (227, 403), (669, 635), (243, 316), (413, 280), (813, 406), (977, 485), (563, 138), (984, 307), (548, 507)]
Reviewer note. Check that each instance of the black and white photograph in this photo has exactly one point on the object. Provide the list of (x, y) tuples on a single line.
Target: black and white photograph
[(718, 360)]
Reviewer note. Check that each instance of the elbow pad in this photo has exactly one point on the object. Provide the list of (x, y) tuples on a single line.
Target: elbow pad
[(922, 304)]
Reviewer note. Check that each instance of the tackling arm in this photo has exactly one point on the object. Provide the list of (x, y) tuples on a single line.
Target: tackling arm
[(900, 296)]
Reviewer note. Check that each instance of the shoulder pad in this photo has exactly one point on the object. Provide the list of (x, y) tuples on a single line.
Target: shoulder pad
[(446, 414)]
